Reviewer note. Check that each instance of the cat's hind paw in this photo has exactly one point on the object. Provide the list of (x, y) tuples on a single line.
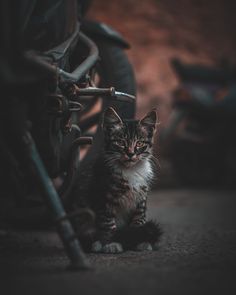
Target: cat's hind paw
[(112, 248), (145, 246), (96, 247), (156, 247)]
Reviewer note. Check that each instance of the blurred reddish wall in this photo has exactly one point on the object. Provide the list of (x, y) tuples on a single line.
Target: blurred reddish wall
[(196, 31)]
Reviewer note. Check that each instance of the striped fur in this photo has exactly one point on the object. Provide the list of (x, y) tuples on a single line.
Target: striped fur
[(120, 182)]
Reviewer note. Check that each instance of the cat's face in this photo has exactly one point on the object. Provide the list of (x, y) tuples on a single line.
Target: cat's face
[(127, 142)]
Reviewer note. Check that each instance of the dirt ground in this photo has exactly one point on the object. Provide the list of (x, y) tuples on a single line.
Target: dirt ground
[(158, 30)]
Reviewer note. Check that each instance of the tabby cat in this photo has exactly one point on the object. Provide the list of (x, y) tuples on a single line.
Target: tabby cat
[(121, 178)]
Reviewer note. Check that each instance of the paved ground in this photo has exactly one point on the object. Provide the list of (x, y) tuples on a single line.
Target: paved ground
[(197, 254)]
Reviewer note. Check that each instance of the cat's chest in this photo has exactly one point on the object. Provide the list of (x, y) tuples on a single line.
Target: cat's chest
[(138, 178)]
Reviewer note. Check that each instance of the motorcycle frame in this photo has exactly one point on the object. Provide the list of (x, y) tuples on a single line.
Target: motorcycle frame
[(45, 63)]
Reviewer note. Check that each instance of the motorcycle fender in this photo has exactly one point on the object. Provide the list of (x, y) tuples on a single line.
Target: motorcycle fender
[(97, 31)]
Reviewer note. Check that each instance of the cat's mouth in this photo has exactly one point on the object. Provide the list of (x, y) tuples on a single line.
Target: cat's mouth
[(130, 162)]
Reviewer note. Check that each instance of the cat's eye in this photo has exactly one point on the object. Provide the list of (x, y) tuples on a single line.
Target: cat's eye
[(140, 144), (120, 143)]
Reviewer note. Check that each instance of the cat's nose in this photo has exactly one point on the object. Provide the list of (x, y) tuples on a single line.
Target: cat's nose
[(130, 155)]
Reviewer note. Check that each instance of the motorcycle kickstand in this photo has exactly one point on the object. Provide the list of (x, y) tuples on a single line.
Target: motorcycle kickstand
[(65, 230)]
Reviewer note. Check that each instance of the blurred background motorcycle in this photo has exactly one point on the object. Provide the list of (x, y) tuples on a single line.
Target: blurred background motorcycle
[(199, 138)]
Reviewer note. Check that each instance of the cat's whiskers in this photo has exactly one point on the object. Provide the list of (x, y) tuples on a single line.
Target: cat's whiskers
[(155, 161)]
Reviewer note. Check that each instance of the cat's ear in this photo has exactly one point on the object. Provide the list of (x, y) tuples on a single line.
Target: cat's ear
[(111, 119), (149, 120)]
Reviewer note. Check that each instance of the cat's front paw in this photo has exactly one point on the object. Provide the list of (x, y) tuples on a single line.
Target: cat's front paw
[(145, 246), (112, 248), (156, 246), (96, 247)]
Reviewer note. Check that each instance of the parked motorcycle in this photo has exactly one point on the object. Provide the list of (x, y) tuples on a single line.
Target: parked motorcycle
[(200, 138), (58, 72)]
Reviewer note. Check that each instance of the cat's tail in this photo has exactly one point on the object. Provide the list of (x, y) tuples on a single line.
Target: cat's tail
[(131, 236)]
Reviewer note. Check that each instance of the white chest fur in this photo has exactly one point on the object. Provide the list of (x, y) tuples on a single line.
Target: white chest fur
[(138, 175)]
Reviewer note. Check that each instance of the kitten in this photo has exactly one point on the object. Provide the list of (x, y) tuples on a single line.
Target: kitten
[(117, 192)]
